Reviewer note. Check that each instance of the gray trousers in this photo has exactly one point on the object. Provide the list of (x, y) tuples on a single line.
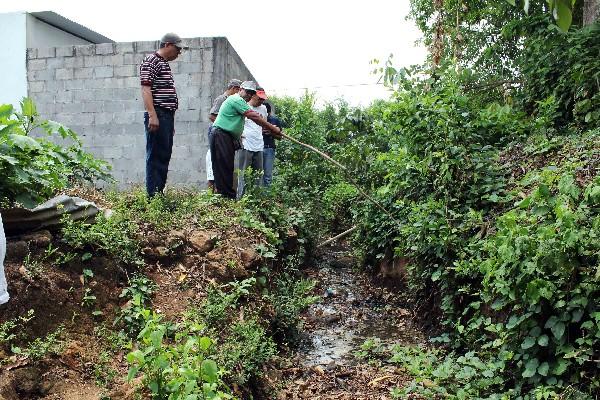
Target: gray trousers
[(248, 159)]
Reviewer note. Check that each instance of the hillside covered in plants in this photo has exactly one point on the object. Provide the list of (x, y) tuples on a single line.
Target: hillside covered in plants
[(482, 228)]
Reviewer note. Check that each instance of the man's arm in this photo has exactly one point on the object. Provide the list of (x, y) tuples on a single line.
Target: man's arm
[(212, 117), (259, 120), (149, 105)]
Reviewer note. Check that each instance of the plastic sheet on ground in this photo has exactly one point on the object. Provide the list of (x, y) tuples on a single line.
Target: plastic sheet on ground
[(48, 214)]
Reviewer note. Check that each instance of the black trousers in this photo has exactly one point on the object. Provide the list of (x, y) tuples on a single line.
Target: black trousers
[(222, 150)]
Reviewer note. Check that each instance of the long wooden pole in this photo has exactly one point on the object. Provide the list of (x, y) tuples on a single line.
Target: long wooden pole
[(343, 168), (341, 235)]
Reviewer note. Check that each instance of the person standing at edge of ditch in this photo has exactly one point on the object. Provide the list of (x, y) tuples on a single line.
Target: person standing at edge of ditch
[(269, 149), (227, 130), (251, 153), (232, 88), (160, 102)]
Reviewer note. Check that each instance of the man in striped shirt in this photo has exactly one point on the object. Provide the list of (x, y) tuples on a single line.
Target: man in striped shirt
[(160, 101)]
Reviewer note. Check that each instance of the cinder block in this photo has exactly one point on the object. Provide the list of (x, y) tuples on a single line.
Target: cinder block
[(44, 97), (92, 61), (64, 73), (196, 55), (193, 43), (55, 63), (124, 118), (131, 59), (113, 152), (207, 43), (125, 71), (133, 130), (83, 95), (184, 91), (46, 110), (127, 94), (104, 118), (92, 106), (142, 47), (84, 119), (65, 119), (133, 105), (194, 103), (63, 96), (31, 54), (36, 65), (132, 82), (37, 87), (189, 67), (85, 50), (83, 73), (74, 84), (103, 72), (73, 62), (111, 106), (103, 94), (69, 108), (124, 47), (105, 48), (65, 51), (114, 59), (98, 83), (42, 75), (186, 115), (46, 52), (55, 86)]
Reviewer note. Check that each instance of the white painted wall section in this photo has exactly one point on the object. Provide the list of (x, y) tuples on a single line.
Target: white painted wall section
[(13, 62), (41, 34)]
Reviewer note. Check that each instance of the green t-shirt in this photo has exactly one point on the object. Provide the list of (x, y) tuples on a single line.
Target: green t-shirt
[(231, 115)]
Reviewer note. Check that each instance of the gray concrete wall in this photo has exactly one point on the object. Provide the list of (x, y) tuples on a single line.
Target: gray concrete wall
[(95, 90)]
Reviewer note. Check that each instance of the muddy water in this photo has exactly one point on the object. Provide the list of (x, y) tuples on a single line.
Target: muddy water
[(351, 310)]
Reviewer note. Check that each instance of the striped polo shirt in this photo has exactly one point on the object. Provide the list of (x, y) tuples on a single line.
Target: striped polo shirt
[(156, 73)]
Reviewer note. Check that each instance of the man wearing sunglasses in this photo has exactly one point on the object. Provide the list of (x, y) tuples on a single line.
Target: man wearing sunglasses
[(227, 130), (160, 100)]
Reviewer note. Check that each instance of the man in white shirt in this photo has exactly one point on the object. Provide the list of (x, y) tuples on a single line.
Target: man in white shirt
[(250, 155)]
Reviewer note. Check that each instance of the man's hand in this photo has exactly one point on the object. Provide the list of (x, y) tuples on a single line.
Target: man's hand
[(153, 122), (278, 134)]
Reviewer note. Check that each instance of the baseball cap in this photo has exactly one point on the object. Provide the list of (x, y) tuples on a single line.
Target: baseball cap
[(260, 92), (234, 83), (173, 38), (249, 85)]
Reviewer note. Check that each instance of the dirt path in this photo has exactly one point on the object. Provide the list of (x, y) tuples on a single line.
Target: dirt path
[(352, 310)]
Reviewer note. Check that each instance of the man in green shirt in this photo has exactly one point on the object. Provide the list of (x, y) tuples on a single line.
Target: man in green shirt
[(227, 130)]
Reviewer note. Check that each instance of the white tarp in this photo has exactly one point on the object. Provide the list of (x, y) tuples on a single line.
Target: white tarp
[(3, 287)]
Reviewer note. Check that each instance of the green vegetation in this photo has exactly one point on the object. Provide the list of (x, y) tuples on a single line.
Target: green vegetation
[(32, 164), (487, 159)]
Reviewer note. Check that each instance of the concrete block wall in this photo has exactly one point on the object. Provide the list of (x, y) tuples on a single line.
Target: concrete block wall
[(95, 90)]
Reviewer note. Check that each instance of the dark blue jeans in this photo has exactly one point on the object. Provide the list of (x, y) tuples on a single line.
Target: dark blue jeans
[(268, 161), (159, 145)]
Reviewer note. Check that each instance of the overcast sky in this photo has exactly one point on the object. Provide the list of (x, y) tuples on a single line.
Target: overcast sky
[(323, 45)]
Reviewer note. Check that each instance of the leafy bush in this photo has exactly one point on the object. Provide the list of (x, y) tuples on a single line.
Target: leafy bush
[(245, 350), (115, 235), (176, 369), (289, 298), (35, 168)]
